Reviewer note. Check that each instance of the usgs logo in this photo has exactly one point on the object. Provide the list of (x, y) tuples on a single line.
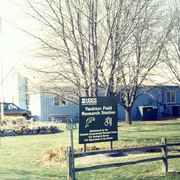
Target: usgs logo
[(89, 101)]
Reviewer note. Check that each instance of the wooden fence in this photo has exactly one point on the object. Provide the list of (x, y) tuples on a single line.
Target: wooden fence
[(164, 157)]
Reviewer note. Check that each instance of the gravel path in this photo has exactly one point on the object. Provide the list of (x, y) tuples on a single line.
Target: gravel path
[(101, 158)]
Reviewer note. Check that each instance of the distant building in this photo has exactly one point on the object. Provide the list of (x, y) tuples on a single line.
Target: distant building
[(15, 89), (164, 98)]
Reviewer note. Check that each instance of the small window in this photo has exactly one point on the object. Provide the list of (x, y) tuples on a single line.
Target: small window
[(59, 101), (12, 107), (170, 97), (122, 97)]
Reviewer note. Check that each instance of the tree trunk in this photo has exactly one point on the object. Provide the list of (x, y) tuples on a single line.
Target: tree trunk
[(128, 115)]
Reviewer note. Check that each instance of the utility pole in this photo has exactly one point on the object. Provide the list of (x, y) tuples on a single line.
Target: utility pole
[(2, 107)]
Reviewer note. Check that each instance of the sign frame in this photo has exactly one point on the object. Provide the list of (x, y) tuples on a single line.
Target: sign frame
[(97, 119)]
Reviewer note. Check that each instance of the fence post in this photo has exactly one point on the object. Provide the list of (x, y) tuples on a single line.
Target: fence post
[(164, 154), (69, 162)]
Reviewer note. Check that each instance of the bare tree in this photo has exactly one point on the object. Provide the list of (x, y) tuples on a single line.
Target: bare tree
[(141, 54), (171, 51), (82, 46), (136, 43)]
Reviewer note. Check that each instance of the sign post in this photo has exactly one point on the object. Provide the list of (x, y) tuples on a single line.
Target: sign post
[(97, 119), (72, 127)]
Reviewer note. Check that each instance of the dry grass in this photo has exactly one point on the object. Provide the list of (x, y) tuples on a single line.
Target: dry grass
[(56, 156), (126, 145), (10, 122), (52, 157), (14, 122)]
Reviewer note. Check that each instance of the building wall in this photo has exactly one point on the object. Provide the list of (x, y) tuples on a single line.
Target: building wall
[(23, 94), (15, 89), (47, 108), (35, 106), (155, 97), (167, 107), (121, 112)]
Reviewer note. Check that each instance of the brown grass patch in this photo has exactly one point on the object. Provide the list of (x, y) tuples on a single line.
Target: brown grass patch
[(10, 122), (56, 156), (14, 122), (52, 157)]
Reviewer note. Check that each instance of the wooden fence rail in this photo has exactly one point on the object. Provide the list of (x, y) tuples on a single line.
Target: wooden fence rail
[(164, 157)]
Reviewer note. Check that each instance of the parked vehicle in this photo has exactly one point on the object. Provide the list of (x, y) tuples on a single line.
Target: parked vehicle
[(11, 109)]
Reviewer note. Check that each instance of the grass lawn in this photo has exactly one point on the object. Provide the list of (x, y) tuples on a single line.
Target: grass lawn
[(19, 155)]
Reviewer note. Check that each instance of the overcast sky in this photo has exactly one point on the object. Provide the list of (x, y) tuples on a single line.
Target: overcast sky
[(11, 37)]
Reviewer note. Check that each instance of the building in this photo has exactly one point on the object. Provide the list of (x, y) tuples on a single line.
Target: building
[(15, 89), (163, 98)]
